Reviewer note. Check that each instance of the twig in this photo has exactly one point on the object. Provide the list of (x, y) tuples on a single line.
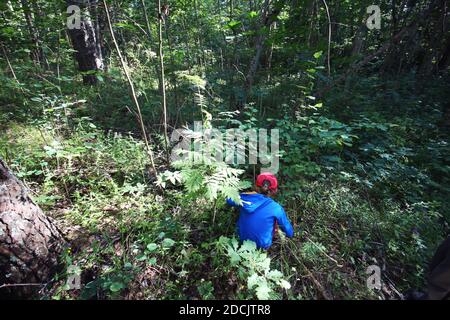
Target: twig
[(240, 72), (9, 64), (132, 112), (321, 250), (163, 81), (329, 38), (317, 283), (133, 92), (391, 284), (11, 68), (8, 285), (49, 82), (314, 280)]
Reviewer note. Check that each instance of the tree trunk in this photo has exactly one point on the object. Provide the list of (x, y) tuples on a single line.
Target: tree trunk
[(97, 21), (445, 58), (163, 80), (38, 19), (408, 30), (30, 243), (268, 17), (86, 43), (37, 54)]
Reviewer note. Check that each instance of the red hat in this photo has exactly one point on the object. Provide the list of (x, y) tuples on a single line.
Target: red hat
[(267, 178)]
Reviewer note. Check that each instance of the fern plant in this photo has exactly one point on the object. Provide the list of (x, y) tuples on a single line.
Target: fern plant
[(253, 267), (204, 176), (208, 180)]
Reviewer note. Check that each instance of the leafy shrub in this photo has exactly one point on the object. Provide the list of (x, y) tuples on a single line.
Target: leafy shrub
[(253, 268)]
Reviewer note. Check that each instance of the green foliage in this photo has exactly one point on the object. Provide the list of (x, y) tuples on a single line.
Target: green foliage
[(211, 182), (206, 290), (364, 167), (253, 268), (314, 140), (310, 251), (199, 172)]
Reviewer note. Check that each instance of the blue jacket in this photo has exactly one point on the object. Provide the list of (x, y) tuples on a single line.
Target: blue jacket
[(257, 219)]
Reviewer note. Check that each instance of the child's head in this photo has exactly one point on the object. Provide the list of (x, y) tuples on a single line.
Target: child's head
[(267, 184)]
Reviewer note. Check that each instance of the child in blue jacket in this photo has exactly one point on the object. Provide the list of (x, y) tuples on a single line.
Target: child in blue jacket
[(260, 215)]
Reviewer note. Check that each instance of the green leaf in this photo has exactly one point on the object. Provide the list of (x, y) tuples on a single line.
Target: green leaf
[(232, 24), (152, 247), (141, 258), (7, 31), (284, 284), (152, 261), (252, 281), (248, 245), (116, 286), (125, 26), (234, 257), (274, 275), (318, 105), (318, 54), (252, 14), (167, 243), (263, 291), (66, 287)]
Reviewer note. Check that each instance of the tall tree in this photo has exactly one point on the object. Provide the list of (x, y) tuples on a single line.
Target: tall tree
[(86, 42), (163, 11), (37, 54), (268, 16)]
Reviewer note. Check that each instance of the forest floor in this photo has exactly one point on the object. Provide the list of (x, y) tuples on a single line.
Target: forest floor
[(130, 239)]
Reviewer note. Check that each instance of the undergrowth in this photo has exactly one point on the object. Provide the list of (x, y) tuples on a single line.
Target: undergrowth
[(362, 188)]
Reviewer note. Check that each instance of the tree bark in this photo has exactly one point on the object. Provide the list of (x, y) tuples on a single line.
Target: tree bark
[(444, 59), (97, 21), (30, 243), (86, 43), (267, 18)]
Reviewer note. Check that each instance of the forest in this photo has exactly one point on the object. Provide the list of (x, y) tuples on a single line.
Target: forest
[(127, 127)]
